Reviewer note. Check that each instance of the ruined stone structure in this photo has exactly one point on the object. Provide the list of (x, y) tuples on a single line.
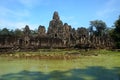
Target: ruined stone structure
[(55, 29), (59, 35)]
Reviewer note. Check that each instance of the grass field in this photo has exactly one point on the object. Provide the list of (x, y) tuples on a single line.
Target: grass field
[(88, 66)]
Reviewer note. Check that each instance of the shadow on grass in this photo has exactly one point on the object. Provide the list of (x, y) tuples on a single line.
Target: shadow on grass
[(90, 73)]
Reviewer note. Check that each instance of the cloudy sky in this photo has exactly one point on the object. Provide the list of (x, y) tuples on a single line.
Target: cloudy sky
[(77, 13)]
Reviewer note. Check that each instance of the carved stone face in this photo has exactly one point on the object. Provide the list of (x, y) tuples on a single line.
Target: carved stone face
[(56, 16), (26, 30), (41, 31)]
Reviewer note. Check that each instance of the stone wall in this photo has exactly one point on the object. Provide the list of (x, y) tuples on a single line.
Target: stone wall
[(58, 35)]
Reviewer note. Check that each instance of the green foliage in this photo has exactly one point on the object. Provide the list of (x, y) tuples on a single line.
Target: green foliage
[(4, 32), (11, 33), (33, 32), (99, 25), (116, 33), (18, 32)]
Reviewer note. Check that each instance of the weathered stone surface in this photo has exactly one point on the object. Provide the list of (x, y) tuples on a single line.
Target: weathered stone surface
[(26, 30), (26, 36), (66, 31), (82, 32), (74, 34), (41, 31), (56, 16), (57, 36), (55, 28)]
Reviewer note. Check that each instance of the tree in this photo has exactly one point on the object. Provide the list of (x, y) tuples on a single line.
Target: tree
[(5, 32), (99, 26), (18, 32), (33, 32), (116, 33), (11, 33)]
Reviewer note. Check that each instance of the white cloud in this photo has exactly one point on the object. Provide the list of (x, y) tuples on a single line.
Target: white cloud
[(18, 16), (110, 7), (67, 18), (71, 20), (14, 13), (13, 18), (30, 3), (14, 25)]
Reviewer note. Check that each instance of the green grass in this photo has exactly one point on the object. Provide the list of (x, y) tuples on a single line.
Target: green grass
[(104, 66), (70, 51)]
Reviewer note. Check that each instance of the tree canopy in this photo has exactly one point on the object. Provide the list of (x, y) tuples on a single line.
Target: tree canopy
[(116, 33), (99, 26)]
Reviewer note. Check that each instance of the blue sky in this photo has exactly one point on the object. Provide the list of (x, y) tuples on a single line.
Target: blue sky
[(77, 13)]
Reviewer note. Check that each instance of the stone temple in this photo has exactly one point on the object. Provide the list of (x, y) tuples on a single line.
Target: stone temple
[(58, 35)]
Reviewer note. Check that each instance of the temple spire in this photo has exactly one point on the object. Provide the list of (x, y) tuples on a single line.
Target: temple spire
[(56, 15)]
